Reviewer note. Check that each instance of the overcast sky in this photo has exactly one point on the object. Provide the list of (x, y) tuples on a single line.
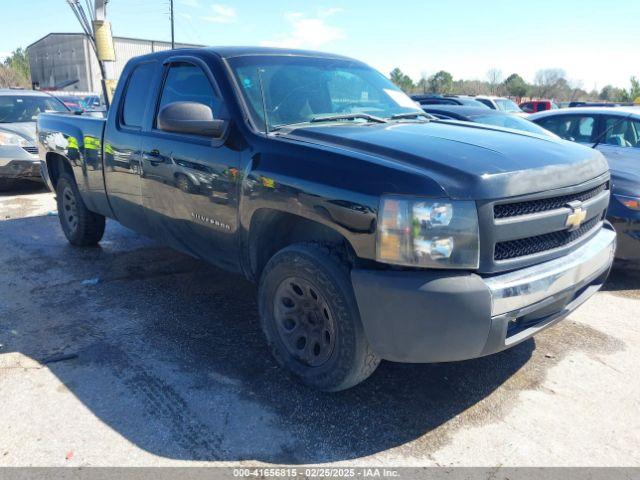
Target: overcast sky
[(597, 42)]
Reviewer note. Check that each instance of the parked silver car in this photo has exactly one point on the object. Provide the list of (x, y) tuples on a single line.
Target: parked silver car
[(19, 110)]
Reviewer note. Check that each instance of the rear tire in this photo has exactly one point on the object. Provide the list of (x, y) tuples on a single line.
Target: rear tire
[(311, 320), (81, 226)]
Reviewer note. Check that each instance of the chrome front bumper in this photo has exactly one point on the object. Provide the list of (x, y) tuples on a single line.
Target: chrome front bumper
[(521, 288), (443, 316)]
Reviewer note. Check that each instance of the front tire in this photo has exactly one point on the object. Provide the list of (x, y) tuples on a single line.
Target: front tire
[(311, 320), (81, 226)]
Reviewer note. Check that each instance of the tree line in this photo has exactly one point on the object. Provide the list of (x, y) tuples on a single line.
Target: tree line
[(548, 83), (14, 70)]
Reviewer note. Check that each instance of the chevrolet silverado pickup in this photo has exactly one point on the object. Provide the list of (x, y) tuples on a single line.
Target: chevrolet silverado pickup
[(373, 230)]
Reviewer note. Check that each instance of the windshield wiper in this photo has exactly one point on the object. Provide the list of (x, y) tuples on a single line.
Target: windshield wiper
[(399, 116), (348, 116)]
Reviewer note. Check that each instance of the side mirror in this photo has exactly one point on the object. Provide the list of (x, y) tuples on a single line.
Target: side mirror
[(190, 117)]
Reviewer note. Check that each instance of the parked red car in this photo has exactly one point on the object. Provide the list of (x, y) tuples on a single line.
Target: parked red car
[(538, 106)]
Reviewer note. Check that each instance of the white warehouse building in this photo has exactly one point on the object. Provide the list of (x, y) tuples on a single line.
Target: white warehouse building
[(60, 58)]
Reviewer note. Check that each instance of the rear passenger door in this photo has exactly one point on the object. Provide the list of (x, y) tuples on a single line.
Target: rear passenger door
[(123, 143), (189, 182)]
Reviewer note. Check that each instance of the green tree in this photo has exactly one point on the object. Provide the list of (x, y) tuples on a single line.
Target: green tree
[(441, 82), (494, 76), (516, 86), (401, 80), (607, 93), (19, 62), (634, 91), (550, 83), (423, 84)]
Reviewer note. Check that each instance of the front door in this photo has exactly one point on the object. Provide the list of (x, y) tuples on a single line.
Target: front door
[(190, 182)]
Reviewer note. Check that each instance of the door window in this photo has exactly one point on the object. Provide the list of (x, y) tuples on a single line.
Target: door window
[(136, 97), (488, 103), (622, 133), (188, 83), (575, 128)]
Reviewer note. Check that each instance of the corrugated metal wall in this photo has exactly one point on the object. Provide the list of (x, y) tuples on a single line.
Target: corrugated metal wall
[(60, 57), (127, 48)]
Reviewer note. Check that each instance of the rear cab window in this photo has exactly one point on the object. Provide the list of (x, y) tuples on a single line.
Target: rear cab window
[(137, 95)]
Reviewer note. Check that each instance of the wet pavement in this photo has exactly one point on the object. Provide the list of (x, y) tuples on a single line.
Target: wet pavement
[(134, 354)]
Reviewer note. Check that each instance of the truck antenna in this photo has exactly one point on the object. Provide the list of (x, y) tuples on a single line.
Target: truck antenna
[(264, 103)]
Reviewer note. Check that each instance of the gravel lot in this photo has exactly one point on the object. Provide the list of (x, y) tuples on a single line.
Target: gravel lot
[(134, 354)]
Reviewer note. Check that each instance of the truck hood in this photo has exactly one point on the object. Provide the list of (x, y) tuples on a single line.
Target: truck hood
[(469, 161), (24, 129)]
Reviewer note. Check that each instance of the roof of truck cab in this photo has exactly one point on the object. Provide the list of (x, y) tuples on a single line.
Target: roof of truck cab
[(231, 52)]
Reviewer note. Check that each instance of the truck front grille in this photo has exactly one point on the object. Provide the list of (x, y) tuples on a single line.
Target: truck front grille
[(544, 204), (541, 243), (529, 229)]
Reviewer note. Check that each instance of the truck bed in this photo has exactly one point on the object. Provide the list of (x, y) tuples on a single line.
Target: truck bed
[(78, 138)]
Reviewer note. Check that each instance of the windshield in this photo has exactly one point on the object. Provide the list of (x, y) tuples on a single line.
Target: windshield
[(511, 121), (17, 108), (300, 89), (507, 105)]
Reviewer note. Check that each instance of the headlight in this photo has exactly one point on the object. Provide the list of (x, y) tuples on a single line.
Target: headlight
[(12, 139), (630, 202), (437, 233)]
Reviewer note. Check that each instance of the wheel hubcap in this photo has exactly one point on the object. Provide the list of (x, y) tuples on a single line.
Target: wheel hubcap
[(304, 321), (69, 208)]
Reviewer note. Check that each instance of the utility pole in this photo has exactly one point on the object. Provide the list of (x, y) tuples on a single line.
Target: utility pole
[(173, 43), (98, 31)]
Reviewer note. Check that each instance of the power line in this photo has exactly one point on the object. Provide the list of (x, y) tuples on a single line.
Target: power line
[(173, 40)]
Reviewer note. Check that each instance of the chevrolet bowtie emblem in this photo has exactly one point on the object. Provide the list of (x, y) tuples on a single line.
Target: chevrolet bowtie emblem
[(576, 217)]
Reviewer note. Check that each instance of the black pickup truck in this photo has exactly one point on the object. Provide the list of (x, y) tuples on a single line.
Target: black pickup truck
[(373, 230)]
